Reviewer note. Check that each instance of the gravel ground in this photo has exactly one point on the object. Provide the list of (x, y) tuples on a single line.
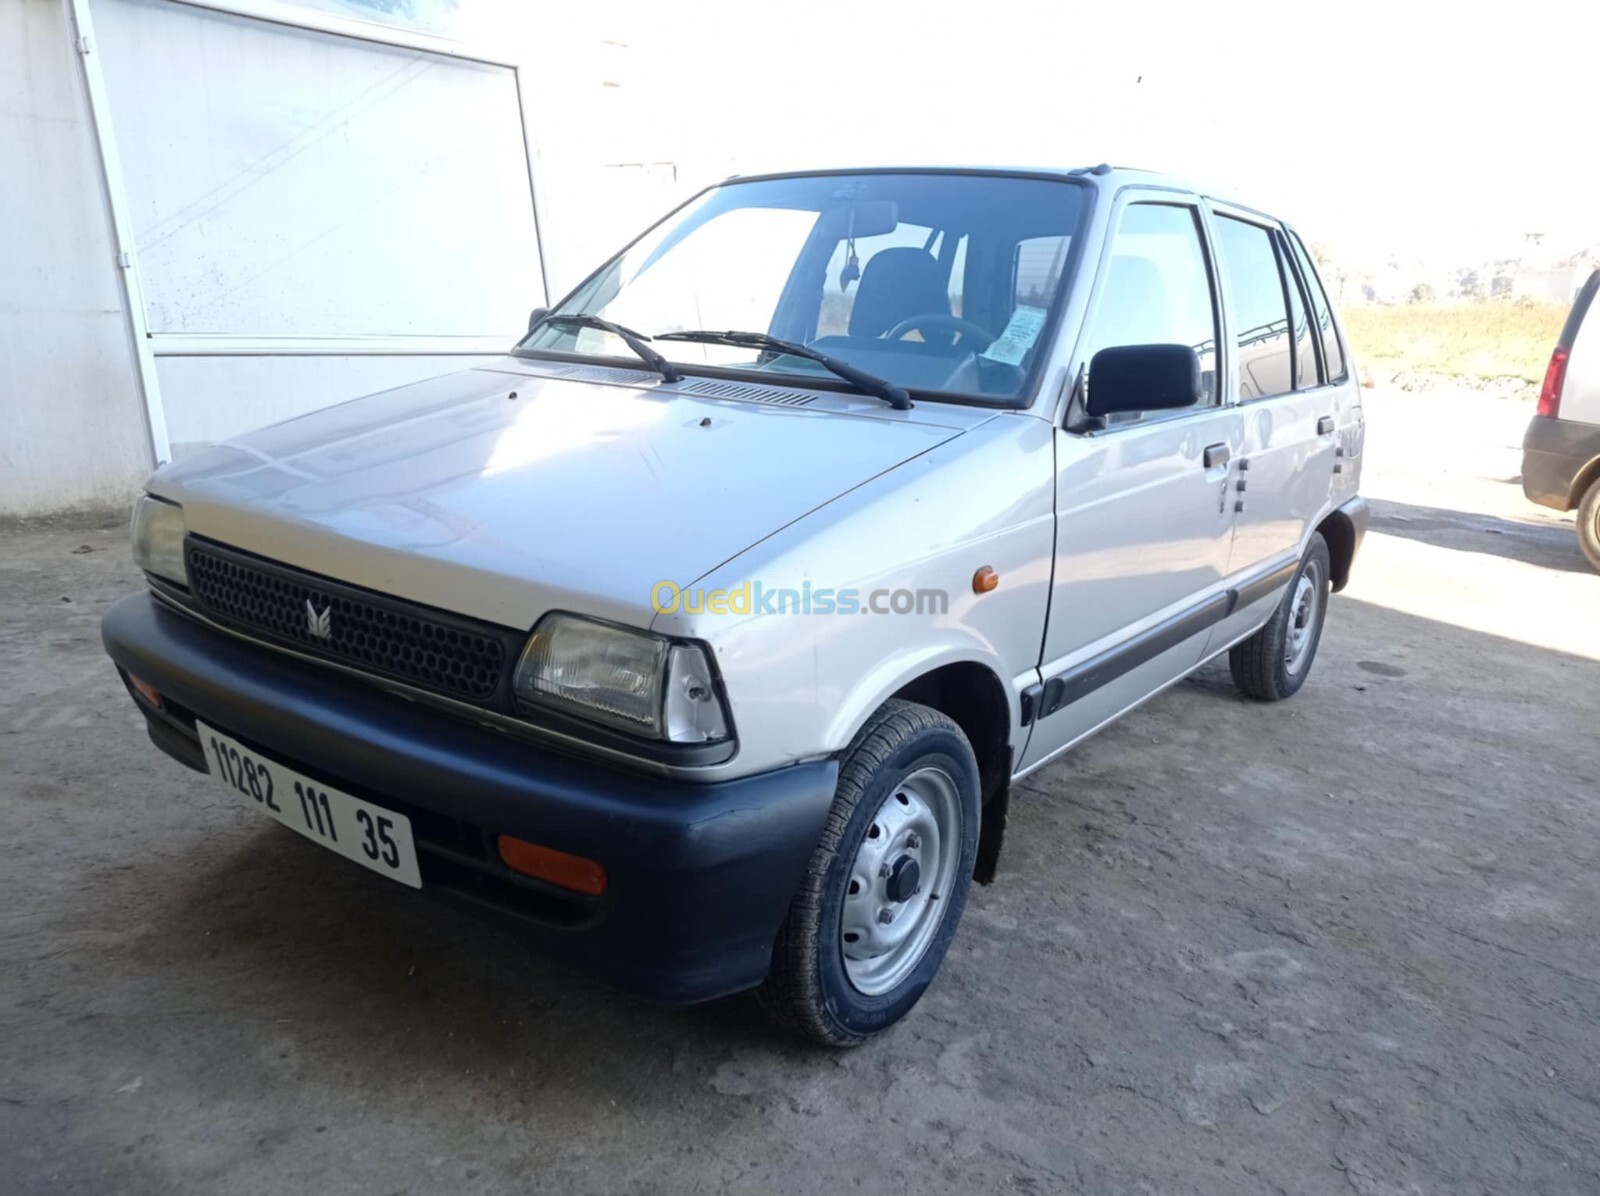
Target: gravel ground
[(1342, 943)]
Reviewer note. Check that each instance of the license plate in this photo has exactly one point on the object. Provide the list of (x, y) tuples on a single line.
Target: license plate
[(370, 835)]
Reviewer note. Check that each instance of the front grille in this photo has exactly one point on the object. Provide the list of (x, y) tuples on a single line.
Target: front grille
[(432, 649)]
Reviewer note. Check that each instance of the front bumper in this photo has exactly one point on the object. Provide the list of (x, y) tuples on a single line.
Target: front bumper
[(1554, 453), (700, 875)]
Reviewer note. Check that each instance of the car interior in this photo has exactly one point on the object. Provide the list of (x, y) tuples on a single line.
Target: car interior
[(927, 315)]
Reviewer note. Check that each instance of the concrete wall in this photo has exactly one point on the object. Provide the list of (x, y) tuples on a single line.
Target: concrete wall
[(72, 430)]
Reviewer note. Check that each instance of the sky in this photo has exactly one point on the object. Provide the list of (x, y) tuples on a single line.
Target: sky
[(1435, 133)]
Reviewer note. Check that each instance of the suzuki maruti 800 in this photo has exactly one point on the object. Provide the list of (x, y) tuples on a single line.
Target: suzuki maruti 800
[(700, 639)]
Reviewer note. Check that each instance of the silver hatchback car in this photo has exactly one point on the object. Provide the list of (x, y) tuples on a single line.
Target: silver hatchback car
[(701, 638)]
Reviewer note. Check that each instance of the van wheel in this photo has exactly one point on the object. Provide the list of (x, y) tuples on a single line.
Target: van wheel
[(1274, 662), (887, 883), (1589, 524)]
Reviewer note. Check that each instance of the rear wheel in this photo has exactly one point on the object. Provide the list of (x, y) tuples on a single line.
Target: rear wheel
[(887, 883), (1589, 524), (1274, 662)]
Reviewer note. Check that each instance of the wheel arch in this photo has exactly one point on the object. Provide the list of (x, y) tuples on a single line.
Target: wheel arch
[(1581, 481), (973, 696), (975, 699)]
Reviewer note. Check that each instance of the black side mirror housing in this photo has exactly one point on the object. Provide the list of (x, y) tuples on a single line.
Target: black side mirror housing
[(535, 316), (1142, 378)]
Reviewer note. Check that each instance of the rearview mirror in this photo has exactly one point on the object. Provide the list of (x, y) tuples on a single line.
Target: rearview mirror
[(535, 316), (1143, 378), (865, 218)]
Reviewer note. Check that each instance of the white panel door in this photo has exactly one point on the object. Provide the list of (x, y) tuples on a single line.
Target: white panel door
[(314, 216), (287, 182)]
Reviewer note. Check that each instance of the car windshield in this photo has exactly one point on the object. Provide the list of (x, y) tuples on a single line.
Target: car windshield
[(942, 284)]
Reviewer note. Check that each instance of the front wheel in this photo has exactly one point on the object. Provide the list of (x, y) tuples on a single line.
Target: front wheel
[(885, 888), (1274, 662)]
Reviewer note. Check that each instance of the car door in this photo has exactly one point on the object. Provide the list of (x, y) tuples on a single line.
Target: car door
[(1289, 412), (1144, 514)]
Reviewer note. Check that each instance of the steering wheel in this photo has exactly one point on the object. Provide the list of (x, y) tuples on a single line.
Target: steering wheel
[(935, 322)]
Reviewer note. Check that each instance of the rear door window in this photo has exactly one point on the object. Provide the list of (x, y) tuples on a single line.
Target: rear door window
[(1260, 308), (1036, 270), (1332, 351)]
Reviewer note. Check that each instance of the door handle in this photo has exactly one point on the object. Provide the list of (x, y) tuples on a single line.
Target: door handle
[(1217, 454), (1325, 425)]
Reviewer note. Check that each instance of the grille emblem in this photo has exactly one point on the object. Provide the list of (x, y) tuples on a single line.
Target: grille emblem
[(319, 624)]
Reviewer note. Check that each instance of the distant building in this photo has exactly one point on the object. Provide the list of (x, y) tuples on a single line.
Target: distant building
[(1557, 284)]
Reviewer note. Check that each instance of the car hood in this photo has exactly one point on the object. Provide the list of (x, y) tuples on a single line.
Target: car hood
[(503, 492)]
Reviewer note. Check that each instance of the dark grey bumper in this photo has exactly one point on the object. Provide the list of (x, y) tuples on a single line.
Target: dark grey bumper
[(1556, 456), (1349, 520), (700, 875)]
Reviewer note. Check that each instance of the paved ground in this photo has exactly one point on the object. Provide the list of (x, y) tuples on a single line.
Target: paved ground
[(1345, 943)]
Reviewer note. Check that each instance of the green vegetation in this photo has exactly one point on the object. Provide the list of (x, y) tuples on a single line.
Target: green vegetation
[(1475, 341)]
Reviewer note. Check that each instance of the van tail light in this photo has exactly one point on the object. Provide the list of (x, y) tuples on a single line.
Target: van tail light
[(1554, 378)]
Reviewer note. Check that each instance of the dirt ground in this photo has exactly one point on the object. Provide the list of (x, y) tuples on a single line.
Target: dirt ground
[(1342, 943)]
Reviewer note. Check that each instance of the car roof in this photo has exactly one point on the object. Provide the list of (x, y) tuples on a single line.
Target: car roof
[(1104, 176)]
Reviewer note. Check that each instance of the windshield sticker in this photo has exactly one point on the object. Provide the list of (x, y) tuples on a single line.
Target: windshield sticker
[(1021, 331)]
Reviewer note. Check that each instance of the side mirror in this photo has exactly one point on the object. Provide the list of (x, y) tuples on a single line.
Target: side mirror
[(535, 316), (1143, 378)]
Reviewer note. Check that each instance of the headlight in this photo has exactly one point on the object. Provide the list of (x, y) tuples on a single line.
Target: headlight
[(158, 533), (637, 682)]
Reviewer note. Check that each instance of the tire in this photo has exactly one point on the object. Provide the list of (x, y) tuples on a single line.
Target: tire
[(1274, 662), (909, 769), (1589, 524)]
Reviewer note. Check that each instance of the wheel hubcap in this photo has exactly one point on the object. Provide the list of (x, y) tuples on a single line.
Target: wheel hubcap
[(1305, 608), (905, 876), (900, 880)]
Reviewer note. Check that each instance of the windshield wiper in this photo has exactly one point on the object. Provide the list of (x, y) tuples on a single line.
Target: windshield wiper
[(634, 340), (867, 383)]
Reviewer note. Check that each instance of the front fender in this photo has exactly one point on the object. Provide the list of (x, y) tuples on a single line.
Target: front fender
[(800, 684), (893, 674)]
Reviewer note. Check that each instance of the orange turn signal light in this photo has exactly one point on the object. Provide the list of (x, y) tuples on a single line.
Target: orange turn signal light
[(556, 867), (145, 690), (984, 580)]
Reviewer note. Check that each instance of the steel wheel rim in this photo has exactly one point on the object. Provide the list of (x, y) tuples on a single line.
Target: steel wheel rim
[(920, 821), (1305, 609)]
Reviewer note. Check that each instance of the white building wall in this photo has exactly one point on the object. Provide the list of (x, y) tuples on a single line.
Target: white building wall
[(72, 430), (231, 344)]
